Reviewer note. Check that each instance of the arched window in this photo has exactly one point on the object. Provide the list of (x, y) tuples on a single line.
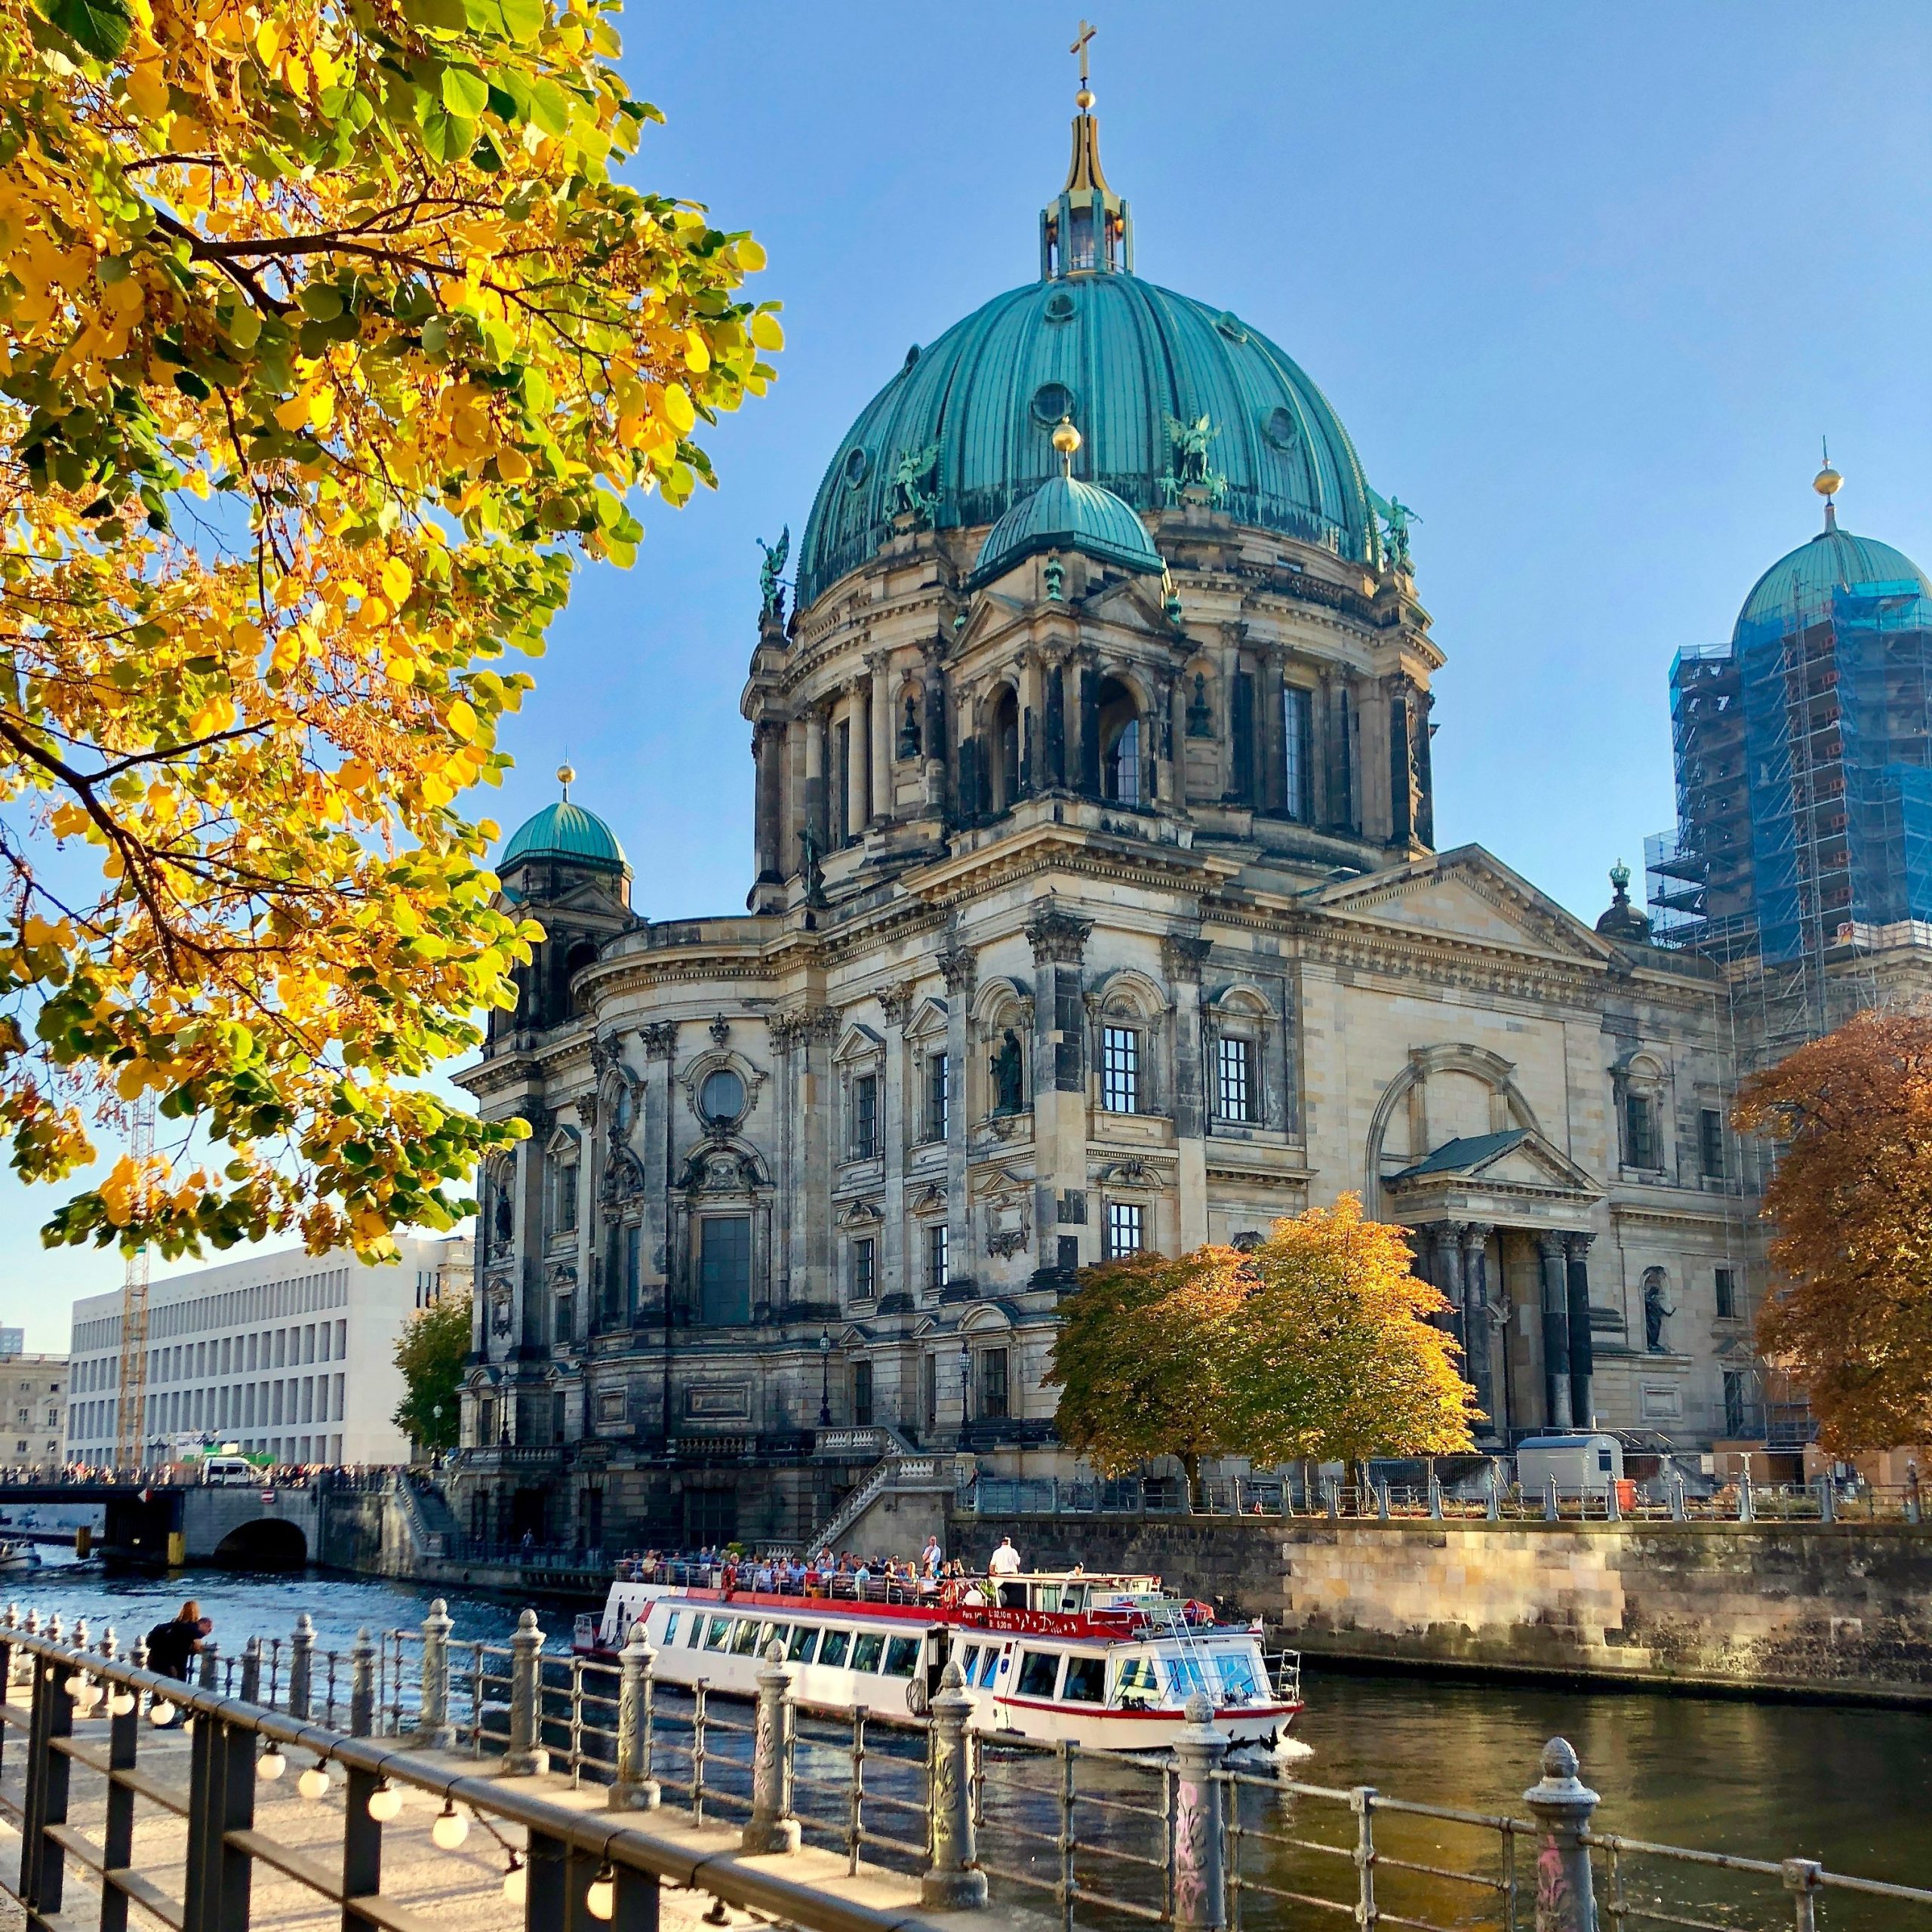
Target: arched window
[(1003, 775), (1121, 775)]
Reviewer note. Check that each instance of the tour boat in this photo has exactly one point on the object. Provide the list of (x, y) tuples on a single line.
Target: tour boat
[(1107, 1661), (15, 1557)]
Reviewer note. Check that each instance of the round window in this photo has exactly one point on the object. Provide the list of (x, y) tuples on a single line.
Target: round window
[(722, 1095), (1060, 306), (1279, 428), (1230, 325), (856, 465), (1051, 400)]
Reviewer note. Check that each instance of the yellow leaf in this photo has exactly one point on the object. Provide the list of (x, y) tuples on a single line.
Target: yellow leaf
[(321, 407), (678, 410), (462, 720), (147, 90), (293, 413), (398, 581), (766, 333), (750, 257)]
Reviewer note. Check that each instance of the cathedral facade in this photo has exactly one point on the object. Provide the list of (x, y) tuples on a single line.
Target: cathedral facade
[(1096, 908)]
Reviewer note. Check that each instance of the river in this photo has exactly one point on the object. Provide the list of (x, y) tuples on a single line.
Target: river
[(1848, 1785)]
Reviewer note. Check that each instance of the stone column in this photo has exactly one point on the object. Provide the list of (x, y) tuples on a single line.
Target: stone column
[(1183, 956), (1583, 1363), (895, 1004), (815, 814), (1476, 1337), (957, 965), (858, 761), (1557, 1411), (1449, 1268), (884, 726), (818, 1028), (1059, 1077), (1270, 747), (1053, 752), (657, 1101)]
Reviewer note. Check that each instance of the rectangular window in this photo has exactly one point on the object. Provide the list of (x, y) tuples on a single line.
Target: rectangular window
[(1120, 1070), (992, 1384), (902, 1657), (1727, 1287), (1710, 1143), (1038, 1670), (929, 1391), (1086, 1681), (1125, 1226), (832, 1647), (936, 1257), (1234, 1079), (862, 1394), (724, 1270), (863, 1284), (567, 1197), (805, 1643), (864, 1117), (939, 1097), (1640, 1130), (1294, 752), (633, 1269), (867, 1648), (841, 792)]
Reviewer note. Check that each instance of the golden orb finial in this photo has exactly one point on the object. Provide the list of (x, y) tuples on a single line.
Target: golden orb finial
[(567, 778), (1066, 440), (1827, 481)]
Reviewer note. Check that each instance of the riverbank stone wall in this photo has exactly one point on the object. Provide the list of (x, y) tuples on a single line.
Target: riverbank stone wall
[(1840, 1609)]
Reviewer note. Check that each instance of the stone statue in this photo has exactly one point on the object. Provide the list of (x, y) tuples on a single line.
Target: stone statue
[(812, 866), (1006, 1074), (1397, 516), (908, 491), (1656, 1313), (1189, 472), (1200, 717), (505, 1220), (909, 728), (771, 575)]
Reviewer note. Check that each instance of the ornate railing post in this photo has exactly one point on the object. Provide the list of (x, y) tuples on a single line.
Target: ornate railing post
[(1612, 1503), (301, 1664), (1747, 1503), (954, 1881), (1435, 1496), (1362, 1802), (768, 1828), (211, 1656), (1552, 1508), (1331, 1489), (1198, 1881), (251, 1692), (1828, 1499), (1563, 1806), (526, 1758), (362, 1685), (1802, 1877), (635, 1789), (1382, 1499), (434, 1731), (1674, 1488), (1492, 1499)]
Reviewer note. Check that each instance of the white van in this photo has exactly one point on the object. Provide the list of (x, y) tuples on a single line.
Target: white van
[(230, 1470)]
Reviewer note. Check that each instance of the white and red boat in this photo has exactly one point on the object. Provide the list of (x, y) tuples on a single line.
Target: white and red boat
[(1109, 1662)]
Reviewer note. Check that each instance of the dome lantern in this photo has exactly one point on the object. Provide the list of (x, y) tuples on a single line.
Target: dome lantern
[(1087, 229)]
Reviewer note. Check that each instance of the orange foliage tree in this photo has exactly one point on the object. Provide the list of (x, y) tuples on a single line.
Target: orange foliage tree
[(1850, 1318), (1318, 1343)]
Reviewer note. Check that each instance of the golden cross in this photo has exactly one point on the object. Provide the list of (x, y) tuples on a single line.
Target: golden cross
[(1079, 47)]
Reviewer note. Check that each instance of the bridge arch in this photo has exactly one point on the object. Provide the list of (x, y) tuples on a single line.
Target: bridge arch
[(268, 1543)]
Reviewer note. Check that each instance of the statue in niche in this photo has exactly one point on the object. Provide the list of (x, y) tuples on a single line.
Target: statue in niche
[(1200, 714), (503, 1223), (1007, 1074), (1656, 1313), (771, 575), (908, 494), (909, 728), (812, 867)]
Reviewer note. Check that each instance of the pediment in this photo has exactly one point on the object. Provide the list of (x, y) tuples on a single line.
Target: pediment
[(1465, 893), (860, 1042), (1518, 1157)]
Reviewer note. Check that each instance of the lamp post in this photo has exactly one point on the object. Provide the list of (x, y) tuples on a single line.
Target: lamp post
[(436, 1449), (965, 1384), (825, 1378)]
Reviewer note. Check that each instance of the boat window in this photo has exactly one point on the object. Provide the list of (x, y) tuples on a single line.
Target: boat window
[(989, 1665), (779, 1634), (865, 1649), (671, 1629), (742, 1637), (1074, 1596), (1137, 1679), (715, 1638), (1184, 1678), (1086, 1681), (902, 1656), (697, 1631), (1239, 1677), (804, 1641), (766, 1631), (968, 1661), (1037, 1670), (833, 1650)]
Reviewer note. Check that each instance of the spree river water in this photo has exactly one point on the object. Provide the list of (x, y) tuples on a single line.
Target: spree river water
[(1848, 1785)]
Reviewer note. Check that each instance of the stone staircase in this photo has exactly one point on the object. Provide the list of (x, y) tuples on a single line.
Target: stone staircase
[(902, 1474)]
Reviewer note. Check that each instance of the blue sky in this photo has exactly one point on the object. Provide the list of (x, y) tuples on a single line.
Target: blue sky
[(1585, 283)]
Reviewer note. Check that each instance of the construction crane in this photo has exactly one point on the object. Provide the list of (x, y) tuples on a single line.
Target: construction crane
[(132, 1402)]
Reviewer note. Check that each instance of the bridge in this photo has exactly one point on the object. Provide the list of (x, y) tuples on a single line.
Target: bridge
[(273, 1526)]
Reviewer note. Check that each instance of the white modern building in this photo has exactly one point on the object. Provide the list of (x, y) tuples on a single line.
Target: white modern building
[(291, 1355)]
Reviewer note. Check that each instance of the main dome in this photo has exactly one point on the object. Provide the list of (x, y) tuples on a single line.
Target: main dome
[(1799, 585), (965, 428)]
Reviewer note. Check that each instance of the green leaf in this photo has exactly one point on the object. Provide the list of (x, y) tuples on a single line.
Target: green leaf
[(465, 92), (100, 27), (321, 300), (524, 19), (551, 106)]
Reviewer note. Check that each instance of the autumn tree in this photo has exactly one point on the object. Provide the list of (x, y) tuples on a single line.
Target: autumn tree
[(1318, 1343), (330, 346), (431, 1353), (1850, 1317), (1139, 1359)]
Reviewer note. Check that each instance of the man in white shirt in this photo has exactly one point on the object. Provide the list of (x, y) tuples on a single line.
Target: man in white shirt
[(931, 1558), (1002, 1566)]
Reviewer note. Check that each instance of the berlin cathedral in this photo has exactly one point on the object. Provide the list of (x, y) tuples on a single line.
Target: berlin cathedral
[(1096, 907)]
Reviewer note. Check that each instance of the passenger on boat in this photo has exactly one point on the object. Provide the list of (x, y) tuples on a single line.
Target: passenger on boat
[(1001, 1567)]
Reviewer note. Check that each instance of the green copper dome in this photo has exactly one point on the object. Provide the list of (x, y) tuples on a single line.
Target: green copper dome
[(963, 433), (566, 832), (1066, 514), (1800, 586)]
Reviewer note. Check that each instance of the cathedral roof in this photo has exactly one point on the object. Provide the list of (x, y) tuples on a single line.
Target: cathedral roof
[(1800, 586), (566, 832), (964, 432), (1066, 514)]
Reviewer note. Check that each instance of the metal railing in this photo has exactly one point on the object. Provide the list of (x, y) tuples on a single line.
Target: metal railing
[(1204, 1841)]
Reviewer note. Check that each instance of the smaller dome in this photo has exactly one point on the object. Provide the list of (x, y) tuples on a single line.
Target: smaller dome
[(1066, 514), (1622, 922), (568, 832), (1800, 586)]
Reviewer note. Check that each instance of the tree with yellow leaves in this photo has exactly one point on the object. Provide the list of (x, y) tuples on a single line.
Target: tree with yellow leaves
[(1317, 1344), (329, 345)]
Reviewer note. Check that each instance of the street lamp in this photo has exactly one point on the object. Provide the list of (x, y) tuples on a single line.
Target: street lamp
[(825, 1378), (965, 1383)]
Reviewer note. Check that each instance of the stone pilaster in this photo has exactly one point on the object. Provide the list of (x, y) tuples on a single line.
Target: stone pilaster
[(957, 963), (1557, 1412), (1183, 955), (1478, 1338), (1059, 940), (1583, 1358), (660, 1099), (895, 1004)]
